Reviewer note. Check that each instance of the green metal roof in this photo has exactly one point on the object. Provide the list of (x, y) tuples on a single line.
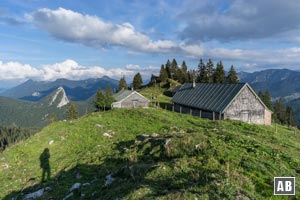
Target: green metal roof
[(207, 96), (122, 94)]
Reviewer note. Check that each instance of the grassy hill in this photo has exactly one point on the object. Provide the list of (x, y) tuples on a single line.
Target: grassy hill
[(151, 153)]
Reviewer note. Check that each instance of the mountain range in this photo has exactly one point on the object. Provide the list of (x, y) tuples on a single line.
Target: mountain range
[(17, 112), (282, 83), (39, 99), (76, 90)]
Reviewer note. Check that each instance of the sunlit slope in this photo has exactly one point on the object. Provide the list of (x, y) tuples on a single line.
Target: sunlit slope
[(151, 153)]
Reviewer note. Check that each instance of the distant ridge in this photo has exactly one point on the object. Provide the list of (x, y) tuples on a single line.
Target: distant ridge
[(23, 113), (280, 82), (75, 90)]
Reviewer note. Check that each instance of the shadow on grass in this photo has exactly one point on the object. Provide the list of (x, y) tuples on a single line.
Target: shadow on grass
[(135, 165)]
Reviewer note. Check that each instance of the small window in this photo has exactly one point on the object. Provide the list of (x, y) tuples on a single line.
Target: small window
[(245, 101)]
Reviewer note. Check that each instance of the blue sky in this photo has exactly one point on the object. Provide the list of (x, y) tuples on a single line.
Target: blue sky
[(76, 39)]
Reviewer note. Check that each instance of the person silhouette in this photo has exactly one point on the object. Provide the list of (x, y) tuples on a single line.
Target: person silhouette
[(45, 165)]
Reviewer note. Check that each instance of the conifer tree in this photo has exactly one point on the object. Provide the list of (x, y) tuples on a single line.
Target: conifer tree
[(137, 81), (100, 100), (290, 116), (174, 70), (268, 100), (109, 96), (191, 76), (202, 73), (180, 77), (163, 74), (168, 68), (122, 84), (210, 70), (232, 76), (184, 72), (72, 112), (219, 74), (279, 111)]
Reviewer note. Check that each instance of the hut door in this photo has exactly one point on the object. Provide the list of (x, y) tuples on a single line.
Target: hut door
[(135, 103), (245, 116)]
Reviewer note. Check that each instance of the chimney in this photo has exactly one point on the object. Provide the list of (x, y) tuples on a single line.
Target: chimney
[(194, 83)]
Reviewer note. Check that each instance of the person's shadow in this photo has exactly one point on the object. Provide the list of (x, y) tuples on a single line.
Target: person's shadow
[(45, 165)]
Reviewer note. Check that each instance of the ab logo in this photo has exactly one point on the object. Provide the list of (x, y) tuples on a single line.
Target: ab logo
[(284, 185)]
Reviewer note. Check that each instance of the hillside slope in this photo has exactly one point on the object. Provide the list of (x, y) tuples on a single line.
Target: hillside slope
[(150, 153)]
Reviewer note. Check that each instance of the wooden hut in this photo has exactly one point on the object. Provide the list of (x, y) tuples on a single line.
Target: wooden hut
[(218, 101), (129, 99)]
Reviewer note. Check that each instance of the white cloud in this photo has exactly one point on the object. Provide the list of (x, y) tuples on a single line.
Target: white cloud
[(15, 70), (71, 26), (237, 20), (68, 69), (274, 58)]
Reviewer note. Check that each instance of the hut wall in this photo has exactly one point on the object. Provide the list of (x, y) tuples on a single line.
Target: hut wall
[(246, 107), (134, 101)]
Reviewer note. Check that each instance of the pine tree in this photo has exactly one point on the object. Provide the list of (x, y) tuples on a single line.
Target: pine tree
[(100, 100), (202, 73), (109, 96), (191, 76), (174, 69), (232, 76), (184, 71), (290, 116), (168, 68), (279, 111), (268, 100), (72, 112), (210, 70), (219, 74), (180, 77), (163, 74), (137, 81), (122, 84)]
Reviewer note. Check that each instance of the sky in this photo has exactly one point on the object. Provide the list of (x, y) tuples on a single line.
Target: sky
[(78, 39)]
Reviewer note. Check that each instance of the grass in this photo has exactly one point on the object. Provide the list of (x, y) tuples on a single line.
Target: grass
[(153, 154)]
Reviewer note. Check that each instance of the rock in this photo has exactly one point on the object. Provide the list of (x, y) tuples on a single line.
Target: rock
[(154, 135), (143, 136), (167, 141), (51, 142), (68, 196), (109, 179), (75, 186), (5, 166), (98, 125), (35, 195), (48, 188), (107, 135), (86, 184), (78, 176)]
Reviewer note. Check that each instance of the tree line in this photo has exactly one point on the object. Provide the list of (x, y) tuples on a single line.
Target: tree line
[(12, 135), (205, 73), (281, 114)]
